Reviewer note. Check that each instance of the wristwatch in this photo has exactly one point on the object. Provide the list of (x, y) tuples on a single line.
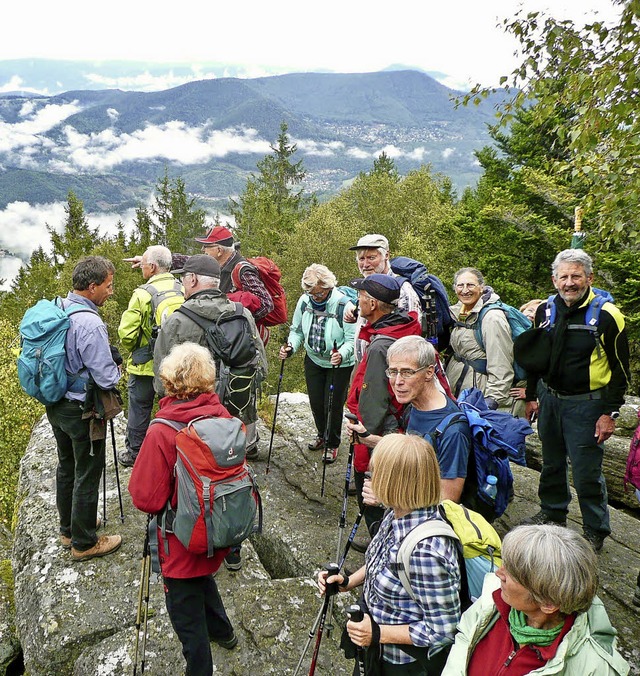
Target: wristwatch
[(614, 415)]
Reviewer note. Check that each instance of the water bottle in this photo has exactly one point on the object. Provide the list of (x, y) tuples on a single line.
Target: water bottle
[(490, 488)]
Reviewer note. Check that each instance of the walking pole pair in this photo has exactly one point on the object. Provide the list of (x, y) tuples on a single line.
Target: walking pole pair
[(104, 479), (319, 622), (328, 423), (320, 618), (142, 614)]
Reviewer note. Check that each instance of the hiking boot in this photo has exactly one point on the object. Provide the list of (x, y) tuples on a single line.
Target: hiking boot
[(228, 643), (126, 458), (252, 452), (360, 544), (65, 541), (316, 445), (596, 540), (233, 560), (540, 519), (330, 456), (107, 544)]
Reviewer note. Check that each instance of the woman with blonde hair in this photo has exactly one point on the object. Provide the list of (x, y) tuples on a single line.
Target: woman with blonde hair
[(405, 635), (318, 324), (539, 614), (195, 608)]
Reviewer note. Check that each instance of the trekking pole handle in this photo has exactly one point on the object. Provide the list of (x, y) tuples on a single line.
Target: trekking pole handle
[(332, 588), (351, 417), (355, 613)]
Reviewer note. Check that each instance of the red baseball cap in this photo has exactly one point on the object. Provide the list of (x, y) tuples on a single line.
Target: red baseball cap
[(217, 235)]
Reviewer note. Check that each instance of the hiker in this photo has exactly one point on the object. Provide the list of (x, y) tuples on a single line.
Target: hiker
[(196, 611), (136, 331), (518, 392), (246, 283), (201, 282), (411, 373), (318, 324), (81, 458), (489, 369), (372, 258), (539, 613), (370, 397), (408, 636), (577, 394)]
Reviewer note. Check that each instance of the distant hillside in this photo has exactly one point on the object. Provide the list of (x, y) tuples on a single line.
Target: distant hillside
[(111, 145)]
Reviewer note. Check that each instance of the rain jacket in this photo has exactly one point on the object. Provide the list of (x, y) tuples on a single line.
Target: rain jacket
[(152, 482), (588, 649), (334, 330), (210, 304), (496, 335), (136, 321)]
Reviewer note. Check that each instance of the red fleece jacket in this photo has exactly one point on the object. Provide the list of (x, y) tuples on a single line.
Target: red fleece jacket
[(152, 481)]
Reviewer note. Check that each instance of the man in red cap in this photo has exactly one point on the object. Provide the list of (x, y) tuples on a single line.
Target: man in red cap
[(238, 275)]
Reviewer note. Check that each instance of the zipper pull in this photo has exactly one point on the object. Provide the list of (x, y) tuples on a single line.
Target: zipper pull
[(510, 658)]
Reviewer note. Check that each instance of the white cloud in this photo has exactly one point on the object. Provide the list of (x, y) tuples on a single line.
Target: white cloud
[(113, 114), (447, 152), (310, 147), (28, 132)]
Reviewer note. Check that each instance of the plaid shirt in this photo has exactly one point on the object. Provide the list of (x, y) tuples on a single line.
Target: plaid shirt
[(435, 580)]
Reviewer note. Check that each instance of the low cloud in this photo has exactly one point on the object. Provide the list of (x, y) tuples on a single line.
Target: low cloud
[(447, 152)]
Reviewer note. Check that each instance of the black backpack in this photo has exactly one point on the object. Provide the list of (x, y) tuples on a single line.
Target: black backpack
[(229, 338)]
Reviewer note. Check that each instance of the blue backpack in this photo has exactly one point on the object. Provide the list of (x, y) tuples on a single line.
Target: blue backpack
[(518, 323), (434, 300), (41, 364), (497, 438)]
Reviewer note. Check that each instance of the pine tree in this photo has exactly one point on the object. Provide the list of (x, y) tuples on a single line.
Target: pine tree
[(76, 239), (273, 200)]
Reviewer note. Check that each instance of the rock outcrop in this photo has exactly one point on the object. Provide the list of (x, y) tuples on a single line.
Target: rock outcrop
[(80, 618)]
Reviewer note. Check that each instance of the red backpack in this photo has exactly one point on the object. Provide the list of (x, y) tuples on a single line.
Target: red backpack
[(216, 494), (632, 473), (270, 275)]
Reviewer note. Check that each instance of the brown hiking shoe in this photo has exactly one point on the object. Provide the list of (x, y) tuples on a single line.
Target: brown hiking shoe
[(66, 541), (106, 544)]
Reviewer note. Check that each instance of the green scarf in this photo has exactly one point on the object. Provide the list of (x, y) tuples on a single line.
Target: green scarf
[(526, 635)]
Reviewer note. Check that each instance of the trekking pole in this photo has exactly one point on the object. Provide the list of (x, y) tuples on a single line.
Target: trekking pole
[(115, 464), (328, 423), (275, 413), (144, 583), (312, 633), (330, 590), (342, 523), (104, 490), (355, 614)]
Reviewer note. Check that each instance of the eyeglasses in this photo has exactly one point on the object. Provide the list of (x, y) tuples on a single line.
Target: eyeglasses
[(405, 374), (320, 295), (209, 246), (470, 287)]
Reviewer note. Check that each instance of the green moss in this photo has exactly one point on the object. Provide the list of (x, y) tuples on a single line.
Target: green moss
[(6, 581)]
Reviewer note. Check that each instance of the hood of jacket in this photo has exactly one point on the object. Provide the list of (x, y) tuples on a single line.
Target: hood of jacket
[(485, 299), (185, 410), (209, 303), (395, 325)]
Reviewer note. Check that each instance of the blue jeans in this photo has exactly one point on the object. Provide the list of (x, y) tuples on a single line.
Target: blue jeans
[(566, 429), (80, 465)]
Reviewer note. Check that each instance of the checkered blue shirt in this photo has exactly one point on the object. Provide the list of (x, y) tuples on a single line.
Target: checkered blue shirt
[(435, 580)]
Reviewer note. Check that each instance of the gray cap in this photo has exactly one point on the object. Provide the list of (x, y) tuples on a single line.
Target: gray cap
[(371, 242), (201, 264)]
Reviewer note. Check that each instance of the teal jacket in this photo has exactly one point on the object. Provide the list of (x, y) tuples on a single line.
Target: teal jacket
[(588, 649), (334, 330)]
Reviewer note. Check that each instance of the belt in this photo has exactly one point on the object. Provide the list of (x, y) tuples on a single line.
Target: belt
[(587, 396)]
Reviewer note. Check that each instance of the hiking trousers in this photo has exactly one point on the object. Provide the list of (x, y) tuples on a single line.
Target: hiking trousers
[(80, 465), (566, 429), (319, 379), (198, 616), (141, 396)]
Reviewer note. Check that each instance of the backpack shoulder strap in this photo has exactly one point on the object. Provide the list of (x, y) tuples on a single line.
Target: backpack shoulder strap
[(477, 327), (202, 322), (445, 423), (177, 426), (427, 529)]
